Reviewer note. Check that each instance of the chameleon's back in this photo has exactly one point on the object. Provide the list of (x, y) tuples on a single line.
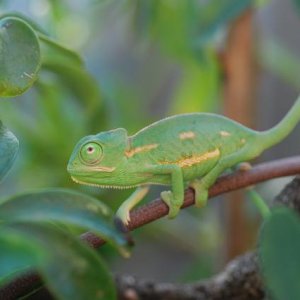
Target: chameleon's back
[(193, 141)]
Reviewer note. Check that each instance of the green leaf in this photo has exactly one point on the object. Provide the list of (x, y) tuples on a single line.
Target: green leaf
[(279, 254), (26, 19), (9, 146), (19, 56), (67, 207), (71, 269), (55, 51)]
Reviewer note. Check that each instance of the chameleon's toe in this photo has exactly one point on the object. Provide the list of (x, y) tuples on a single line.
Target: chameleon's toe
[(168, 198), (244, 166), (123, 214)]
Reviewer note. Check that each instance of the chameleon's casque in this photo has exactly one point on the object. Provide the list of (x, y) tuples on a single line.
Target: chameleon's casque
[(189, 149)]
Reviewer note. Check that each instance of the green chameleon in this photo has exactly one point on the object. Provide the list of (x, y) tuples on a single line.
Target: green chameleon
[(182, 150)]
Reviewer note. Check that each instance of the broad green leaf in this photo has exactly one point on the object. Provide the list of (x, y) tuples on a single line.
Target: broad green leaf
[(9, 146), (55, 51), (71, 269), (279, 254), (51, 47), (67, 207), (19, 56), (34, 25), (14, 254)]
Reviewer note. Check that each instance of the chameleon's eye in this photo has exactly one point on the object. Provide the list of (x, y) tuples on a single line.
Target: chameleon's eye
[(91, 153)]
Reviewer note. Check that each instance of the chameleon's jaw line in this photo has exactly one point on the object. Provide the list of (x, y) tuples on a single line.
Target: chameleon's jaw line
[(82, 171), (120, 187)]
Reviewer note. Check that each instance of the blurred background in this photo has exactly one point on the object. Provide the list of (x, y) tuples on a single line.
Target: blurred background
[(146, 60)]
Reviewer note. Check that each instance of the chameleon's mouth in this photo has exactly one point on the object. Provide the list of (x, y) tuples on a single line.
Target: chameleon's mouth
[(120, 187)]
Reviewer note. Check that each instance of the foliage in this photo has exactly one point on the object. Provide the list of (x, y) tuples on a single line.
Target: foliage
[(162, 58), (279, 254), (27, 232)]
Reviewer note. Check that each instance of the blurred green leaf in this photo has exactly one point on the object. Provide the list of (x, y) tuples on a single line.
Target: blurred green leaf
[(297, 3), (280, 60), (67, 207), (80, 83), (26, 19), (58, 53), (71, 269), (199, 86), (279, 254), (19, 56), (183, 27), (9, 146), (214, 14)]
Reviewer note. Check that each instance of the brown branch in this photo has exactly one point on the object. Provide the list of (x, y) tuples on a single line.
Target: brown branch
[(157, 209), (241, 278)]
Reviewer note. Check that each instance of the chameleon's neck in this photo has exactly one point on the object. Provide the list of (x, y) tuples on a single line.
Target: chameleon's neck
[(283, 128)]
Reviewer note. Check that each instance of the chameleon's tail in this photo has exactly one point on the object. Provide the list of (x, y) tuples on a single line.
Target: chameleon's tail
[(283, 128)]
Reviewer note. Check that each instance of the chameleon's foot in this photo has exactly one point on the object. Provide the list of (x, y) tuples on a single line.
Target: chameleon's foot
[(123, 215), (201, 193), (168, 198)]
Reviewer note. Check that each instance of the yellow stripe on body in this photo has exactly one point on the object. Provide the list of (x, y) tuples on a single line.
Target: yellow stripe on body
[(187, 135), (140, 149), (195, 159)]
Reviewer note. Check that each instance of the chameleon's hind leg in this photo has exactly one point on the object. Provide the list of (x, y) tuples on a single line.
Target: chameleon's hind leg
[(124, 210), (201, 194), (202, 185), (174, 199)]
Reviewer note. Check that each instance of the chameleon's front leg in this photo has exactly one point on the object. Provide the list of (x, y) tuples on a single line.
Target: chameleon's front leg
[(124, 210), (174, 199)]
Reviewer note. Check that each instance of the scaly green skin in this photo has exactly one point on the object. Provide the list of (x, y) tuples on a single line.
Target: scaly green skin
[(183, 150)]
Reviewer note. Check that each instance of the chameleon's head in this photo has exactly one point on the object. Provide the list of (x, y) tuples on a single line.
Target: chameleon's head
[(98, 159)]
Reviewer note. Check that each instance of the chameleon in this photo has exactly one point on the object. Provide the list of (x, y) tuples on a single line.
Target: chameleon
[(183, 150)]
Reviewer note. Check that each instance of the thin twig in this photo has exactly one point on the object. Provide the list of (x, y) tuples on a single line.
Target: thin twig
[(157, 209)]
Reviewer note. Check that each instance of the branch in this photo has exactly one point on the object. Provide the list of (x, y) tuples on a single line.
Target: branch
[(241, 278), (157, 209)]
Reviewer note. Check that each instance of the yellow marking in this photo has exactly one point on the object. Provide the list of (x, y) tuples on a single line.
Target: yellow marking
[(187, 135), (243, 141), (136, 150), (224, 133), (102, 169), (190, 161), (102, 185)]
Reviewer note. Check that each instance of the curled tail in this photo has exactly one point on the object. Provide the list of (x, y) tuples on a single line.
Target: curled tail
[(283, 128)]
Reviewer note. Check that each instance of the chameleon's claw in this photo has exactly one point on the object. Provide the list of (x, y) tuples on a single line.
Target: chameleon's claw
[(123, 214), (244, 166), (168, 198)]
